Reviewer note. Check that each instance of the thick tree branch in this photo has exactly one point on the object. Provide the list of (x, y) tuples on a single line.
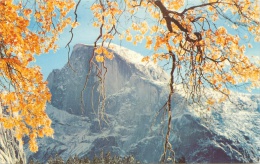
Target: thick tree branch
[(168, 18)]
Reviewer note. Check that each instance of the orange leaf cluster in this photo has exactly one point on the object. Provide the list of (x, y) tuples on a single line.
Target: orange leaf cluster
[(103, 52), (23, 92), (206, 54)]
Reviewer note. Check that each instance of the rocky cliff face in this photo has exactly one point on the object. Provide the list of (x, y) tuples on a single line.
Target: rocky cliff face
[(135, 93), (124, 70)]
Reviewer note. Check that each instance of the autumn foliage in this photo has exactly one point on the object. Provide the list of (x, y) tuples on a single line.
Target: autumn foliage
[(27, 28), (205, 51), (200, 40)]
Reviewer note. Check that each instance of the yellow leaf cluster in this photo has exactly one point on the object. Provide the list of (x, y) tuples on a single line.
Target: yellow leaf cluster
[(206, 54), (103, 52), (210, 101), (23, 92), (149, 42), (105, 15), (145, 59), (99, 58), (129, 38)]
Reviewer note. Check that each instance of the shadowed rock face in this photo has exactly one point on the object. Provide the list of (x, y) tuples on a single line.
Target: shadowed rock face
[(66, 85), (135, 92)]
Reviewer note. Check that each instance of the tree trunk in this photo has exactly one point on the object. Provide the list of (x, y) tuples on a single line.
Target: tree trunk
[(11, 150)]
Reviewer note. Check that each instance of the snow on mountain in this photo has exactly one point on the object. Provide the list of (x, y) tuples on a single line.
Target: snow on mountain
[(135, 92), (230, 133)]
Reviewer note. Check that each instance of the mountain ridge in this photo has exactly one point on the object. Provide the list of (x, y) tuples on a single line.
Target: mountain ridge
[(135, 94)]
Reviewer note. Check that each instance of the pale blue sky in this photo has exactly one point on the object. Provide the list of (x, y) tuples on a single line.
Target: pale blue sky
[(87, 34)]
